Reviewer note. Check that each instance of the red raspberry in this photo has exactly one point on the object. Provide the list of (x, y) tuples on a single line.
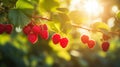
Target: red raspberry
[(30, 24), (45, 27), (44, 34), (84, 39), (8, 28), (56, 38), (105, 46), (36, 29), (26, 30), (2, 28), (91, 43), (64, 42), (33, 38)]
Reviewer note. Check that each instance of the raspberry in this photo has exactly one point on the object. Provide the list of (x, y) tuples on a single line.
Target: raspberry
[(91, 43), (84, 39), (26, 30), (63, 42), (45, 27), (30, 24), (2, 28), (33, 38), (44, 34), (56, 38), (105, 46), (36, 29), (8, 28)]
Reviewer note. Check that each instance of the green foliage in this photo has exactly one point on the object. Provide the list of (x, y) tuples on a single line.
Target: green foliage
[(118, 15), (63, 10), (24, 4), (18, 18), (48, 5), (16, 51), (77, 17)]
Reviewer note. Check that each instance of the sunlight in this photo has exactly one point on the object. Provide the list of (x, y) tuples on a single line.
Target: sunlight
[(114, 9), (92, 7), (83, 31)]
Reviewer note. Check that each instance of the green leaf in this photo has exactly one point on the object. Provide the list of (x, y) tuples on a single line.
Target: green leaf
[(54, 26), (17, 17), (118, 14), (28, 11), (78, 17), (63, 17), (60, 17), (100, 26), (66, 28), (49, 4), (63, 10), (24, 4)]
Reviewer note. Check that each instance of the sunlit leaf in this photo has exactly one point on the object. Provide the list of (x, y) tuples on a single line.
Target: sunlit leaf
[(100, 26), (63, 9), (78, 17), (49, 4), (24, 4), (118, 14), (63, 17), (60, 17), (4, 38), (54, 26), (64, 54), (49, 60)]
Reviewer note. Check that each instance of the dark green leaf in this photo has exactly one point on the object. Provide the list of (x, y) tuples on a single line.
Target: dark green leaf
[(17, 17)]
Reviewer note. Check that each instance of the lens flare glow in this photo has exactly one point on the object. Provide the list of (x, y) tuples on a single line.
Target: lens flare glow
[(93, 7), (115, 9)]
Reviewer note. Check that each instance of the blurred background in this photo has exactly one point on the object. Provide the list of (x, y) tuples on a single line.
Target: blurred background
[(17, 51)]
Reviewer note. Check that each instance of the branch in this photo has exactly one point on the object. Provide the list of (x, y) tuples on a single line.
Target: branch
[(81, 27), (42, 18), (115, 33)]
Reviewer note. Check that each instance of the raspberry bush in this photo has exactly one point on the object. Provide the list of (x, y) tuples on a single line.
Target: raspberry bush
[(53, 33)]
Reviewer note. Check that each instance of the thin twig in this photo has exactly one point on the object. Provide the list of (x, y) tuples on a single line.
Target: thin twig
[(42, 18), (115, 33)]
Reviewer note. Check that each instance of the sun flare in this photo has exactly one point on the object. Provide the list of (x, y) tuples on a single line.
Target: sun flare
[(91, 7)]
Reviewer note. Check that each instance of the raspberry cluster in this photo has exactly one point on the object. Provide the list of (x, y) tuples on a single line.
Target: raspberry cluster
[(56, 38), (33, 30), (91, 43), (6, 28), (85, 39)]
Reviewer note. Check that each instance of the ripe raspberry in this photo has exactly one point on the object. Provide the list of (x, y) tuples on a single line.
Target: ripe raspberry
[(2, 28), (33, 38), (105, 46), (26, 30), (44, 34), (56, 38), (30, 24), (63, 42), (8, 28), (45, 27), (84, 39), (36, 29), (91, 43)]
